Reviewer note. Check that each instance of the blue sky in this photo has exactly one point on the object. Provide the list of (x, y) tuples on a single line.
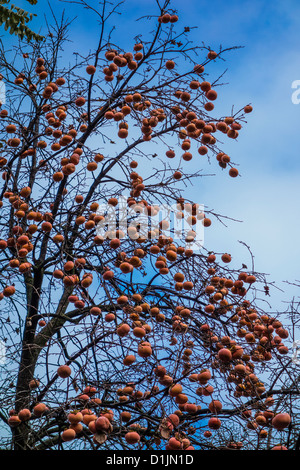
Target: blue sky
[(266, 195)]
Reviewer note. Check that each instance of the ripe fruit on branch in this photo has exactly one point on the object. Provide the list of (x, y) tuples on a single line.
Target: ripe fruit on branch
[(175, 390), (91, 69), (14, 421), (107, 275), (123, 330), (68, 435), (226, 258), (132, 437), (144, 349), (224, 355), (170, 64), (75, 417), (174, 444), (212, 55), (24, 414), (233, 172), (39, 409), (209, 308), (80, 101), (102, 424), (211, 95), (204, 376), (64, 371), (281, 421), (33, 384), (10, 128), (215, 406), (129, 359), (214, 423)]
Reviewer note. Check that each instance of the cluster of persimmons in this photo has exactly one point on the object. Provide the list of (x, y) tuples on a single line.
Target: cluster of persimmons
[(255, 338)]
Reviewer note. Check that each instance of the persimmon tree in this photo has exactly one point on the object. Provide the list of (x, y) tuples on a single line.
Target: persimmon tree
[(127, 340)]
